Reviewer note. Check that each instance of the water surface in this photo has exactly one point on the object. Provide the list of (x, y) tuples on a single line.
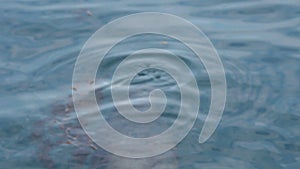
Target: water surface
[(258, 42)]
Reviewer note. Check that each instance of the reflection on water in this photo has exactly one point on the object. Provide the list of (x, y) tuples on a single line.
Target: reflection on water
[(258, 42)]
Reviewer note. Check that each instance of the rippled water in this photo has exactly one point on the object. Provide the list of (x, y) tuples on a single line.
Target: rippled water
[(258, 42)]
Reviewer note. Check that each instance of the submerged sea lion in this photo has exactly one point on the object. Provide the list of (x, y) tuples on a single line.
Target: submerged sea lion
[(64, 144)]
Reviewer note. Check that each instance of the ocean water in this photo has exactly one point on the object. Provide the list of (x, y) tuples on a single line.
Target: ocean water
[(257, 41)]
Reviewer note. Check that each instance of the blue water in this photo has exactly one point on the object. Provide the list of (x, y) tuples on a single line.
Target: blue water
[(258, 43)]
